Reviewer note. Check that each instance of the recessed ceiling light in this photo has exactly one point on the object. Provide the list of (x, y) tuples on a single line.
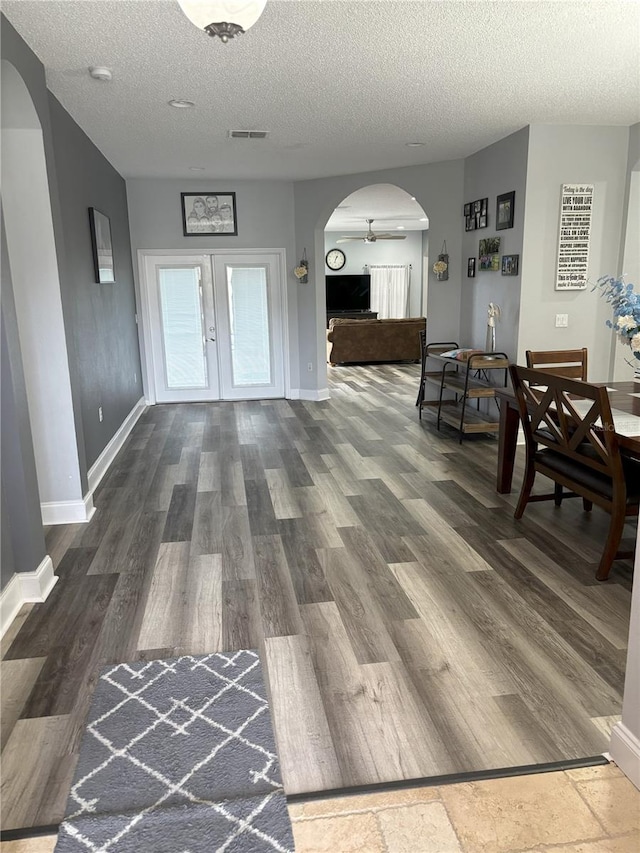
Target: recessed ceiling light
[(181, 105), (196, 168), (400, 228), (413, 198), (414, 144)]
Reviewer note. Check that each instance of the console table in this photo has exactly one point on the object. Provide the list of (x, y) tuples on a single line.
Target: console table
[(469, 380)]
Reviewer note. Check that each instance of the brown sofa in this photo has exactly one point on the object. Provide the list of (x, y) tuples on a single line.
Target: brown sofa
[(374, 340)]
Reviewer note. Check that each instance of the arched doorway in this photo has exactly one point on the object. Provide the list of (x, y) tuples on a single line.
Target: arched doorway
[(394, 257), (38, 307)]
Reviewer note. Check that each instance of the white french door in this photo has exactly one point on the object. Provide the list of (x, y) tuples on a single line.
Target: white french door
[(248, 299), (214, 326)]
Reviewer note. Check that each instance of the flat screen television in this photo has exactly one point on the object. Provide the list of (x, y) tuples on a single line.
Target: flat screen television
[(348, 292)]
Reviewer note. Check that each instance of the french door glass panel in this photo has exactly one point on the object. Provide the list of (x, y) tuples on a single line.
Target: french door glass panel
[(249, 325), (185, 358), (182, 328), (248, 295)]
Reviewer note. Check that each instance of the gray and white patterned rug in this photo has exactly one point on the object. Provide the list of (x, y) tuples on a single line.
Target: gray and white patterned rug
[(179, 757)]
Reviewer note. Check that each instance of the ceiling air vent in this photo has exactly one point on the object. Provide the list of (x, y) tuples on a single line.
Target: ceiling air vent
[(248, 134)]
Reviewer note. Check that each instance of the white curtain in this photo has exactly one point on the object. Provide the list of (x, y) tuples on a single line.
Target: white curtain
[(390, 290)]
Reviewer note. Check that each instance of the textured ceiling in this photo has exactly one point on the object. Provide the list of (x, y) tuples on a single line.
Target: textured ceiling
[(341, 86), (388, 205)]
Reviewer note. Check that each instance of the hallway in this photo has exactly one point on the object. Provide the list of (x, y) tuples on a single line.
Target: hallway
[(408, 625)]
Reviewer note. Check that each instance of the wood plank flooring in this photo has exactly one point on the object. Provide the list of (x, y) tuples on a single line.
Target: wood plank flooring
[(408, 625)]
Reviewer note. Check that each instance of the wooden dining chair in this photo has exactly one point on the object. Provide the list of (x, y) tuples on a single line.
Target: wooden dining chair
[(571, 363), (576, 446)]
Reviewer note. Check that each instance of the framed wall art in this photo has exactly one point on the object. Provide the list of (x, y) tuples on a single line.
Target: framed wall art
[(510, 264), (102, 247), (576, 208), (471, 268), (475, 214), (209, 214), (489, 253), (504, 210)]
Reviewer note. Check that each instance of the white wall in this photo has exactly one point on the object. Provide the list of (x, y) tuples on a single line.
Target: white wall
[(631, 244), (497, 169), (560, 155), (625, 740), (264, 218), (36, 284), (358, 253)]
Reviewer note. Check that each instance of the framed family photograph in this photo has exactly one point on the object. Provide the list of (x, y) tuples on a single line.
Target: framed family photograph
[(102, 247), (209, 214), (504, 211), (489, 253), (510, 264), (471, 268)]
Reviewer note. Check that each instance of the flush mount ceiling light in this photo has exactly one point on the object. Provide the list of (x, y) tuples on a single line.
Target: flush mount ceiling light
[(100, 72), (223, 18), (181, 105), (414, 144)]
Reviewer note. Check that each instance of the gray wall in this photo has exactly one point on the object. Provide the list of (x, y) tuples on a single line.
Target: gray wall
[(497, 169), (264, 218), (96, 315), (358, 253), (21, 534), (563, 155), (437, 188), (100, 327)]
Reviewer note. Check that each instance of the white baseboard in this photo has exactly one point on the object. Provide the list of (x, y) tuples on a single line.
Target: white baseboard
[(68, 512), (625, 751), (102, 463), (306, 394), (24, 587)]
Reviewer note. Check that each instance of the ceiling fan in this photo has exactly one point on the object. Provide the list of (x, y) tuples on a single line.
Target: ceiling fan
[(370, 237)]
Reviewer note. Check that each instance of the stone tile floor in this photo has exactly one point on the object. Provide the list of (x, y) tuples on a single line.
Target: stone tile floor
[(592, 810)]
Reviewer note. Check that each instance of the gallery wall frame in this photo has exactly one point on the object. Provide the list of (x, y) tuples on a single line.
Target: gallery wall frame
[(209, 214), (505, 205), (471, 268), (101, 247), (489, 253), (476, 214), (510, 264)]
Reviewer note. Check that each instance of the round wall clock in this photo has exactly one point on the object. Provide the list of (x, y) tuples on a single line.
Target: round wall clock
[(335, 259)]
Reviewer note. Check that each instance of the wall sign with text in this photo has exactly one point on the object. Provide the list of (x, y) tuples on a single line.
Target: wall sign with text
[(575, 235)]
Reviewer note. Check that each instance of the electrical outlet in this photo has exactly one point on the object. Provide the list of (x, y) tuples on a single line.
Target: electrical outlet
[(562, 321), (310, 367), (100, 417)]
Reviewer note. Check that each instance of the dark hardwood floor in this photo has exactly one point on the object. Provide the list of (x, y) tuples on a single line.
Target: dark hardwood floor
[(409, 626)]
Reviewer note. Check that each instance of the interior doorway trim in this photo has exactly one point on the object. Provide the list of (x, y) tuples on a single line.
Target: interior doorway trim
[(144, 314)]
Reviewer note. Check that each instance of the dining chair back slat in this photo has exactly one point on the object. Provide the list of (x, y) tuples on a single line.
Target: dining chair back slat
[(571, 363)]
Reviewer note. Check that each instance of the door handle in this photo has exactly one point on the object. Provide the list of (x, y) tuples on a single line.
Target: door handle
[(211, 339)]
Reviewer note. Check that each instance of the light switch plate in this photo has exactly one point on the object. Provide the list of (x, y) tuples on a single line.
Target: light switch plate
[(562, 321)]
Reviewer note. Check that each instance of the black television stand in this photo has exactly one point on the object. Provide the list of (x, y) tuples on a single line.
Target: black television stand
[(352, 315)]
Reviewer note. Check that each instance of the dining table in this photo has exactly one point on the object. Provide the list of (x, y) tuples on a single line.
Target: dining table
[(625, 408)]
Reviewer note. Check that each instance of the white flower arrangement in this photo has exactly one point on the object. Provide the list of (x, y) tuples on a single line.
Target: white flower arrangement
[(626, 310)]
